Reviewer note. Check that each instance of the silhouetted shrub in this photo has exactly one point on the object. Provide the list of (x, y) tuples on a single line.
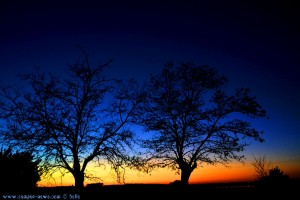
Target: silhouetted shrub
[(275, 179), (176, 182), (18, 171)]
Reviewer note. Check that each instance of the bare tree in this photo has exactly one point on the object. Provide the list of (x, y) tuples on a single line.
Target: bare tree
[(262, 167), (194, 121), (71, 120)]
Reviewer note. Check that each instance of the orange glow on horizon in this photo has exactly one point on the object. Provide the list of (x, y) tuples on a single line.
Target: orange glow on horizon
[(206, 174)]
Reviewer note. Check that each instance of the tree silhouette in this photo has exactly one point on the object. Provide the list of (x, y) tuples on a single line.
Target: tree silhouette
[(71, 120), (276, 172), (267, 176), (194, 121), (275, 179), (19, 172), (262, 167)]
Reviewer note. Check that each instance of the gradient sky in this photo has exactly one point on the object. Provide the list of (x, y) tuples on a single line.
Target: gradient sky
[(254, 43)]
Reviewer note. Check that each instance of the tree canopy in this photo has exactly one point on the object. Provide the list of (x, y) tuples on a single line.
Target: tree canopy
[(70, 120), (194, 121)]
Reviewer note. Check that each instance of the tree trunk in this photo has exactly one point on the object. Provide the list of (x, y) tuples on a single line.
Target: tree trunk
[(77, 173), (186, 171), (79, 179), (185, 175)]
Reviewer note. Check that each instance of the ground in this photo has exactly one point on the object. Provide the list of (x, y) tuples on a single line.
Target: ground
[(157, 191)]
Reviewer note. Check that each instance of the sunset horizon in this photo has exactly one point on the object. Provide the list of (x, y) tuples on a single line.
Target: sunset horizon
[(234, 172)]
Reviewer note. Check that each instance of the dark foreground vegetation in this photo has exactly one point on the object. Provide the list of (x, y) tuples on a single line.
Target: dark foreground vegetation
[(240, 190)]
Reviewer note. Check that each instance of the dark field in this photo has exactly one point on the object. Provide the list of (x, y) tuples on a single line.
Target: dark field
[(149, 191)]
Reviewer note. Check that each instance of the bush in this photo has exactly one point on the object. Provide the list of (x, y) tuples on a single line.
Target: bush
[(18, 171), (275, 179)]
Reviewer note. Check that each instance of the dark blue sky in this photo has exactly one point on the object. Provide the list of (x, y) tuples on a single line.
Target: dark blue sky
[(254, 43)]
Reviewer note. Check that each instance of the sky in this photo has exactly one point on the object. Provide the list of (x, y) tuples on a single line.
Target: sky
[(254, 43)]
